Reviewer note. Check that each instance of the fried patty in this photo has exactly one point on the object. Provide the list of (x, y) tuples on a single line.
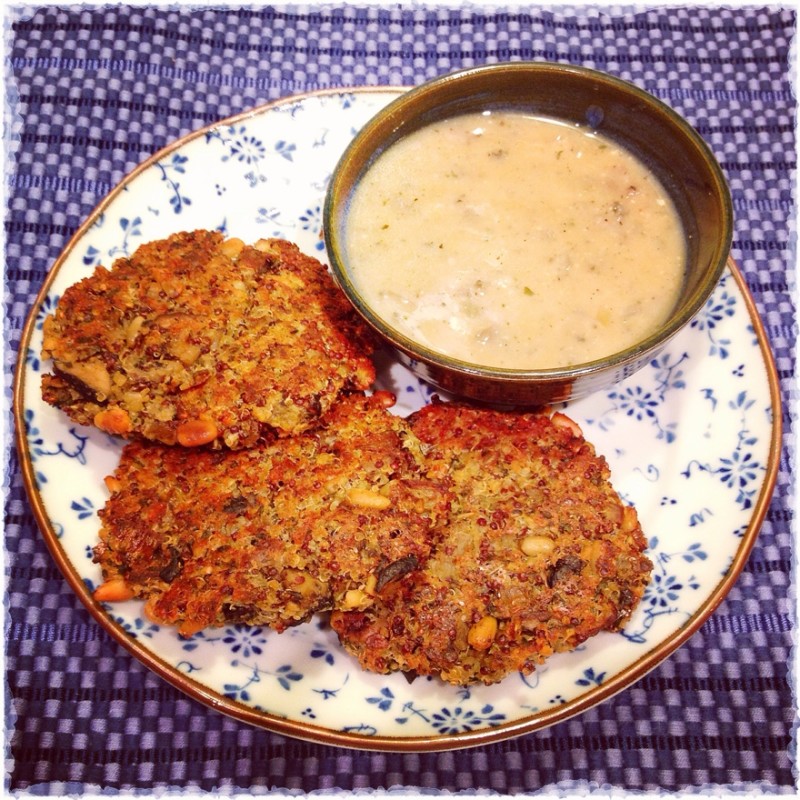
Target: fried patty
[(274, 533), (537, 554), (197, 339)]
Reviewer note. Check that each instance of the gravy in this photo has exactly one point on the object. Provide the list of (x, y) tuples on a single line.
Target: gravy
[(513, 241)]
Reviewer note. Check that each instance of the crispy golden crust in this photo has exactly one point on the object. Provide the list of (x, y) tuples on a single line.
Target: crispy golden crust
[(200, 340), (271, 534), (537, 554)]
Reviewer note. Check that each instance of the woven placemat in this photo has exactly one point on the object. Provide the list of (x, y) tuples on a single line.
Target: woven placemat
[(93, 91)]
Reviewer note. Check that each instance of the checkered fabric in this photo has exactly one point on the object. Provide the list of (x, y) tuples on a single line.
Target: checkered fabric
[(92, 91)]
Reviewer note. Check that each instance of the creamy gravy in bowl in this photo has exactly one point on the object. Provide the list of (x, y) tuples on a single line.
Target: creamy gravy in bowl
[(515, 241)]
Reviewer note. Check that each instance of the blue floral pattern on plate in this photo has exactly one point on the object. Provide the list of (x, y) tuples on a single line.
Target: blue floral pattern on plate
[(687, 439)]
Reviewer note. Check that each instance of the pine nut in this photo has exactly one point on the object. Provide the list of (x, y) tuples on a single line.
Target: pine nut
[(386, 398), (537, 545), (482, 633), (366, 498), (113, 420), (188, 628), (264, 246), (114, 590), (231, 248), (630, 519), (196, 432), (354, 598), (563, 421)]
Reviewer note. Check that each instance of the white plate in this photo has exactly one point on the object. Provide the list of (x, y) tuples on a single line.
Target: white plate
[(692, 441)]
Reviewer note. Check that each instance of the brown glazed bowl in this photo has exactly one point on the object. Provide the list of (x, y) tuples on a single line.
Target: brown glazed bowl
[(648, 128)]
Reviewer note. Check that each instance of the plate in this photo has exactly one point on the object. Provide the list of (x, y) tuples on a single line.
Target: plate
[(692, 441)]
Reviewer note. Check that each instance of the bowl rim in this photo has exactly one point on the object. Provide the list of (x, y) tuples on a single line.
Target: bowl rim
[(393, 114)]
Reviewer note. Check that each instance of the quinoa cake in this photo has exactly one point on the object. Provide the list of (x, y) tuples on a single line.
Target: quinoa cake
[(197, 339), (537, 554), (270, 534)]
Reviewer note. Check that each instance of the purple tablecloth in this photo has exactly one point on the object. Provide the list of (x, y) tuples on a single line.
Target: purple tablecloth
[(94, 91)]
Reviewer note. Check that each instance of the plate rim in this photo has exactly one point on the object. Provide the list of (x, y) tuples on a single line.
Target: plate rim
[(308, 731)]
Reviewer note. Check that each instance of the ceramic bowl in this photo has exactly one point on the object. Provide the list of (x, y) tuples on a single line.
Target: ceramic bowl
[(633, 118)]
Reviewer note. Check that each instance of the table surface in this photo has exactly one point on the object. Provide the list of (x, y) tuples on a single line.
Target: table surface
[(94, 91)]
